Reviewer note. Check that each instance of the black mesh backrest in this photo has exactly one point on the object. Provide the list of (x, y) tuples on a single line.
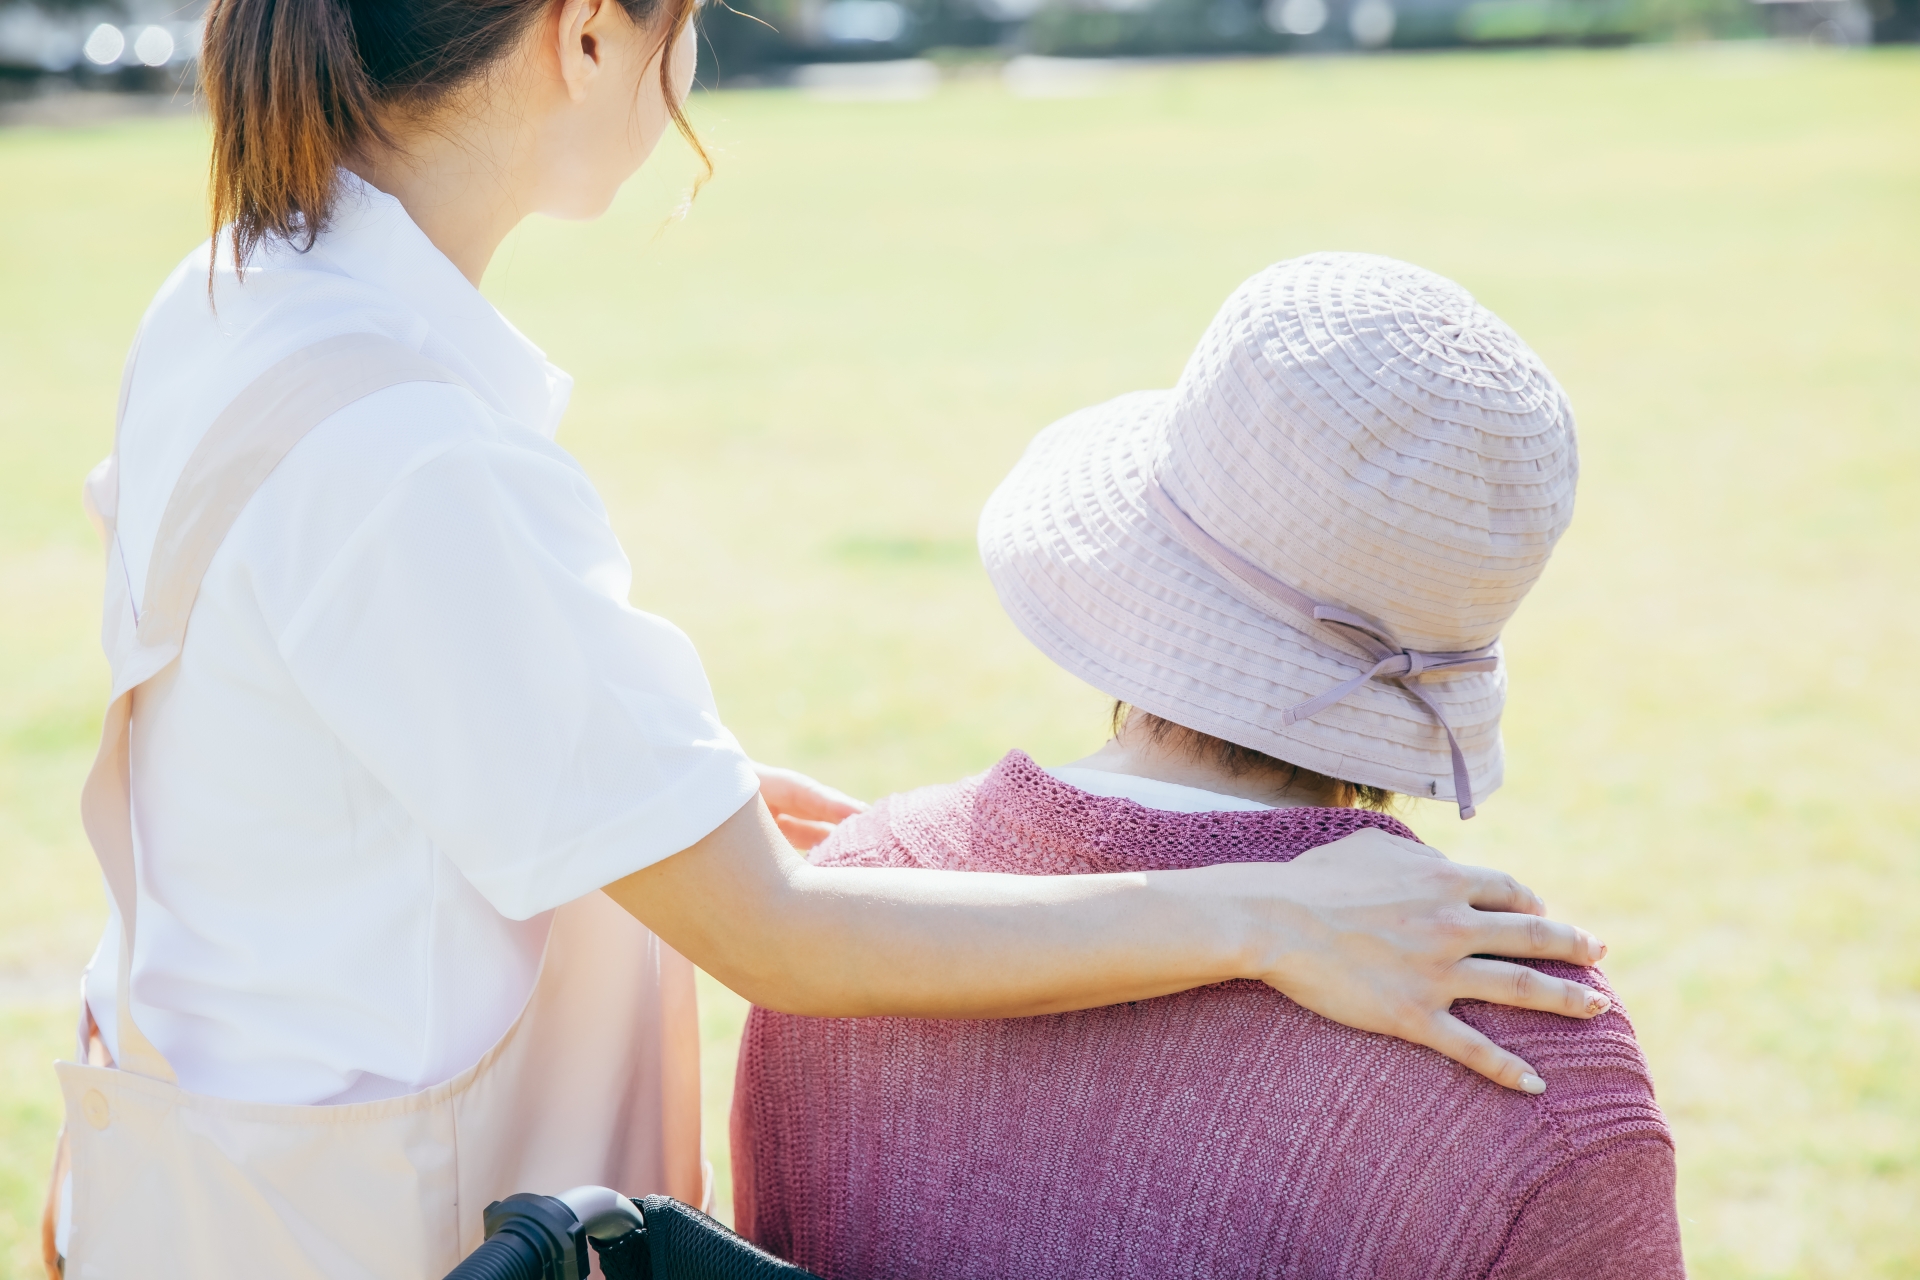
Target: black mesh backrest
[(682, 1243)]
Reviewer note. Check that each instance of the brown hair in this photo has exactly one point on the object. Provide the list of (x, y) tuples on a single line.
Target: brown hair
[(1241, 761), (296, 87)]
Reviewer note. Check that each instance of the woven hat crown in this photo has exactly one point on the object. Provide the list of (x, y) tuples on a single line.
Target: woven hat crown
[(1366, 431)]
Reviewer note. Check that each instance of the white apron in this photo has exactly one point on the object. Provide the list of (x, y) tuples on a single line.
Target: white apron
[(597, 1080)]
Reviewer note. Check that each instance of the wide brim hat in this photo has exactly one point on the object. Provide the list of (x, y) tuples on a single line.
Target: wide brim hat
[(1359, 461)]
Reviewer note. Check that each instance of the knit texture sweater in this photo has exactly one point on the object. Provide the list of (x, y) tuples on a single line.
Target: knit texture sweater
[(1222, 1132)]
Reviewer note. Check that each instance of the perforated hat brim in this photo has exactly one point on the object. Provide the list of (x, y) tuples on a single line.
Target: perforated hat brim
[(1093, 575)]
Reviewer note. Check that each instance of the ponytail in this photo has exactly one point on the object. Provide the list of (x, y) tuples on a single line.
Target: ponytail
[(296, 88), (290, 100)]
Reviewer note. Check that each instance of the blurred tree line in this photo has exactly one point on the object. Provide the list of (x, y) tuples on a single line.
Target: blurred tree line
[(745, 39), (748, 37)]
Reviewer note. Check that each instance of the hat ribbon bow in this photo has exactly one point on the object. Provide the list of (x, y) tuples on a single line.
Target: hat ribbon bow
[(1391, 660)]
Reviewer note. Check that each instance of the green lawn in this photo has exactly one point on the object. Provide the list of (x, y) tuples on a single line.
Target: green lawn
[(796, 400)]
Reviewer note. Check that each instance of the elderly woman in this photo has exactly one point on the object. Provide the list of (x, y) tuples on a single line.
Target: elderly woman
[(1293, 571)]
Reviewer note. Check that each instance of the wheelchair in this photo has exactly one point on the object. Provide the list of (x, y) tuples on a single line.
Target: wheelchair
[(532, 1237)]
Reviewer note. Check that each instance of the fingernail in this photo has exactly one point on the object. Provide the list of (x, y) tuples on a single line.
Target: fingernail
[(1603, 949), (1531, 1083), (1597, 1004)]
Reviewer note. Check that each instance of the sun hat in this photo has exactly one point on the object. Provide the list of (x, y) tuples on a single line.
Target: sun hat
[(1310, 545)]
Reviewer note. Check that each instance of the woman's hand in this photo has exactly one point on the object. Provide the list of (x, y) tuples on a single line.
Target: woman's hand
[(1384, 934), (806, 811)]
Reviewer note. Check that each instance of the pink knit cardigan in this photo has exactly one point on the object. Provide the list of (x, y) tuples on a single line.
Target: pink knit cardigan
[(1224, 1132)]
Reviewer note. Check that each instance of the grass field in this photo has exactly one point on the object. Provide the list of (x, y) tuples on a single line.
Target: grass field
[(795, 401)]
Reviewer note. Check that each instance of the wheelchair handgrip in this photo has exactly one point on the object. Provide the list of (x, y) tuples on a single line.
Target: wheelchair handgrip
[(507, 1256)]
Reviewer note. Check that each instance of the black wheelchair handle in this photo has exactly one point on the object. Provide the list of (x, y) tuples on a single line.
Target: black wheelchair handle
[(504, 1257), (545, 1237)]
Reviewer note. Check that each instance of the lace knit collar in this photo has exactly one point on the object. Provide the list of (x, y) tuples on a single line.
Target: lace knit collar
[(1026, 820)]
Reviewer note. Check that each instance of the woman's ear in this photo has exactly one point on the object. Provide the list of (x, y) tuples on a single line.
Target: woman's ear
[(580, 39)]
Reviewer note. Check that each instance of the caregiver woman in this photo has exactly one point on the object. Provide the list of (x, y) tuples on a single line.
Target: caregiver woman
[(398, 829)]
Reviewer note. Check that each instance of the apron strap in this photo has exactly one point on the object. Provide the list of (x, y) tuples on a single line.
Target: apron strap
[(240, 450)]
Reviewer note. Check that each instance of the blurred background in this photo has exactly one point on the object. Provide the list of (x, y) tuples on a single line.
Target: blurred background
[(54, 47), (937, 225)]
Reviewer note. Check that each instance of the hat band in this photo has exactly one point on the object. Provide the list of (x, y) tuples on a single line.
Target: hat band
[(1391, 660)]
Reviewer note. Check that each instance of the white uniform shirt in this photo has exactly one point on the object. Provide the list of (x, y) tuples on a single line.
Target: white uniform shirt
[(414, 711)]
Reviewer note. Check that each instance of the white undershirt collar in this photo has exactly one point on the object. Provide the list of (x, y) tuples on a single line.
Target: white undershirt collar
[(1153, 793)]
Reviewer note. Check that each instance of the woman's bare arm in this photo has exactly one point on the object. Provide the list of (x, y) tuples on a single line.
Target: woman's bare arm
[(1372, 931)]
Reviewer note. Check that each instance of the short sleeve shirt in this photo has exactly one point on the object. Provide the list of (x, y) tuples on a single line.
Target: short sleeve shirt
[(414, 711)]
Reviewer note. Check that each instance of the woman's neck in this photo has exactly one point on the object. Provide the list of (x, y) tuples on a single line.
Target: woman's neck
[(1140, 755), (457, 189)]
